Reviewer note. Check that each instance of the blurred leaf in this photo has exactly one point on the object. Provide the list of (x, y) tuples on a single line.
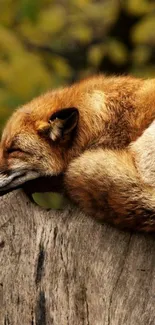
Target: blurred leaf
[(50, 200), (61, 66), (102, 12), (117, 51), (52, 20), (139, 7), (29, 9), (95, 54), (143, 31), (7, 103), (82, 33), (7, 12), (110, 11), (9, 43), (33, 33), (20, 71), (141, 54), (81, 3)]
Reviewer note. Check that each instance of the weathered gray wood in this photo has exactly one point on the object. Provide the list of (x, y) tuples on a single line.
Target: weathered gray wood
[(67, 269)]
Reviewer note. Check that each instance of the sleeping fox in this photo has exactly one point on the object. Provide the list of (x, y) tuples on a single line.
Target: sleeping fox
[(99, 133)]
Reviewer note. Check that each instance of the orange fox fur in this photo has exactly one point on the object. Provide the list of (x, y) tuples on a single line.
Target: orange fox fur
[(93, 132)]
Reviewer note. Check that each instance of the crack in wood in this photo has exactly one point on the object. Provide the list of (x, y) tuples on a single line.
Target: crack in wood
[(87, 311), (2, 244), (6, 320), (118, 278), (55, 235), (66, 276), (40, 310), (40, 265)]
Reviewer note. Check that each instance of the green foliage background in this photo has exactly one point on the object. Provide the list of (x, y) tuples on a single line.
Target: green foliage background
[(47, 43)]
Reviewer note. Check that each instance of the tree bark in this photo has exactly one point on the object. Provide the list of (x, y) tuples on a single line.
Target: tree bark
[(63, 268)]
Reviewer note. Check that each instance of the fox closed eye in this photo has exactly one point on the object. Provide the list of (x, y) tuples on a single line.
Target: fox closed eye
[(12, 150)]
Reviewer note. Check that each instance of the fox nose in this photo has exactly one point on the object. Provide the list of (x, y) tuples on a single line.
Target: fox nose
[(6, 178), (6, 173)]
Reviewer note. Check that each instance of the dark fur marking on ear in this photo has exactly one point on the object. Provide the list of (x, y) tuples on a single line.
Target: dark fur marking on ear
[(63, 123), (63, 114)]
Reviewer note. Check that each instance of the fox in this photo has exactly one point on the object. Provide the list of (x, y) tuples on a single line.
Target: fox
[(99, 134)]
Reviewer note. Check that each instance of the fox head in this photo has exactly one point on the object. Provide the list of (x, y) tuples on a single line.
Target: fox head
[(41, 137), (35, 142)]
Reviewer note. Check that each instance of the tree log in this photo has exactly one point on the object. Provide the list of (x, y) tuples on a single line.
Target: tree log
[(64, 268)]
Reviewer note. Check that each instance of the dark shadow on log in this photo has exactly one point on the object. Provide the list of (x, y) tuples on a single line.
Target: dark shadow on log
[(40, 185)]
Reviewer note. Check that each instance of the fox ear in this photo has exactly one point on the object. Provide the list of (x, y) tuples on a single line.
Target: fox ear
[(63, 122)]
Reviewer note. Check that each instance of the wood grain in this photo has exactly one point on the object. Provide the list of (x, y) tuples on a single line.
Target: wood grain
[(63, 268)]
